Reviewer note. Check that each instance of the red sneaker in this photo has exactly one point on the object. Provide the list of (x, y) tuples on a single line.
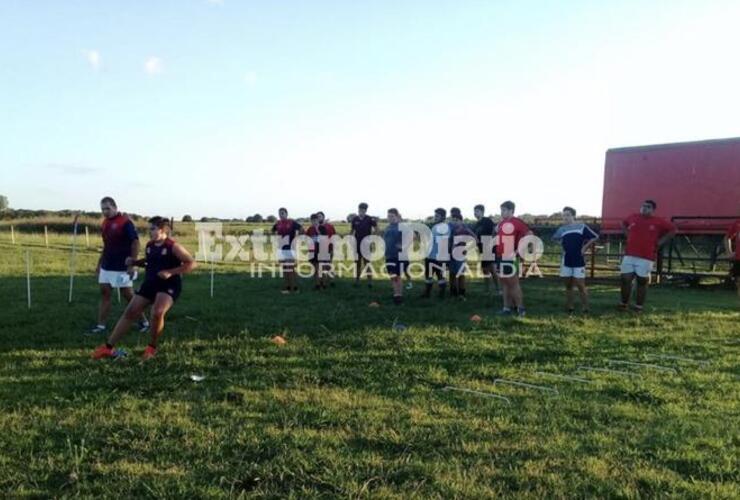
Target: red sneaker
[(149, 353), (103, 352)]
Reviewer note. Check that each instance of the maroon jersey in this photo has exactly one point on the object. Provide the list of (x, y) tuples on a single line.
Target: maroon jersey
[(286, 228), (118, 233), (161, 257)]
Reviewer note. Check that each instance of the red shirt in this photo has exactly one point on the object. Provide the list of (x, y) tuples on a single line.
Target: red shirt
[(733, 233), (512, 227), (643, 234), (118, 233), (287, 229)]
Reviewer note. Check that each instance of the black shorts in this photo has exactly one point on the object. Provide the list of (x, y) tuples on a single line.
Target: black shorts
[(150, 288), (736, 269), (396, 267)]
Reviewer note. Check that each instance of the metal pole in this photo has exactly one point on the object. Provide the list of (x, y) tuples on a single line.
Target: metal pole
[(73, 259), (28, 277), (87, 238), (12, 234), (46, 236)]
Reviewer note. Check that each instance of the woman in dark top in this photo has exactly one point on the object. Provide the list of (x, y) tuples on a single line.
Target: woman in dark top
[(166, 260)]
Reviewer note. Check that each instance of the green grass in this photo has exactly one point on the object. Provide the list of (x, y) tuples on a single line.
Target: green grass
[(351, 407)]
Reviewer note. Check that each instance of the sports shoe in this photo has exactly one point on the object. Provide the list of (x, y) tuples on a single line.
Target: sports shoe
[(96, 330), (104, 351), (409, 286), (521, 312), (143, 326), (149, 353), (505, 312)]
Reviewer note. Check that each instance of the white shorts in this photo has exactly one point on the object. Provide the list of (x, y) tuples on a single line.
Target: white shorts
[(573, 272), (637, 265), (285, 255), (116, 279)]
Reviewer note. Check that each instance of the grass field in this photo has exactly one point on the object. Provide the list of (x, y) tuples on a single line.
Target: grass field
[(353, 407)]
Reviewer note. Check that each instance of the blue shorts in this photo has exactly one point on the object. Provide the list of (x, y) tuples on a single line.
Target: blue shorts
[(395, 267), (456, 267)]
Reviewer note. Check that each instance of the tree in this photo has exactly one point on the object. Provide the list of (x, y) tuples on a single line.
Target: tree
[(4, 202), (257, 218), (187, 218), (271, 218)]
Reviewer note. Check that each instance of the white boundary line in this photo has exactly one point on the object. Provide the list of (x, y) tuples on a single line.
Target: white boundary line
[(565, 377), (525, 385), (607, 370), (642, 365), (478, 393), (679, 358)]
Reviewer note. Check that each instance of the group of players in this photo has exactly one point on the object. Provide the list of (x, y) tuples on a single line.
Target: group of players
[(166, 261)]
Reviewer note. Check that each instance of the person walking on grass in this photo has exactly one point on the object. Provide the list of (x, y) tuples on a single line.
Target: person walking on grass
[(362, 226), (509, 233), (166, 261), (114, 269), (287, 230), (576, 238), (330, 231), (458, 264), (395, 258), (318, 251), (437, 260), (645, 234), (485, 230)]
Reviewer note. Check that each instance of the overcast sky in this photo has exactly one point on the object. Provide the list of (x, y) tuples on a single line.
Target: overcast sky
[(230, 108)]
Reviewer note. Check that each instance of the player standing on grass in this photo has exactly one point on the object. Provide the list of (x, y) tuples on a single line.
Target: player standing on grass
[(166, 260), (733, 236), (363, 226), (319, 256), (115, 269), (287, 230), (645, 234), (485, 229), (509, 233), (330, 231), (395, 259), (436, 262), (458, 266), (576, 238)]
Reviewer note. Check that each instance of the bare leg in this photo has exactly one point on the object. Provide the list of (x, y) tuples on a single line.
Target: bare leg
[(397, 286), (569, 294), (627, 287), (162, 304), (642, 286), (128, 294), (134, 309), (104, 308), (581, 285)]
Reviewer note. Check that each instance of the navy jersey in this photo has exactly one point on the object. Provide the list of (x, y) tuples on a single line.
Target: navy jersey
[(393, 242), (118, 233), (161, 258), (572, 237)]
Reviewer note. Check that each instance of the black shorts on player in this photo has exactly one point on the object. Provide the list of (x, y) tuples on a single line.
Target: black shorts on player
[(736, 269), (150, 288)]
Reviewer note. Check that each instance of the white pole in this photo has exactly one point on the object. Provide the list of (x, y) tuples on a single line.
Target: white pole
[(118, 292), (46, 236), (72, 262), (12, 234), (87, 238), (28, 277), (212, 268)]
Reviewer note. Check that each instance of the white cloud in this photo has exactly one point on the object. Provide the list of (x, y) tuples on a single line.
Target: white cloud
[(93, 58), (250, 78), (153, 65)]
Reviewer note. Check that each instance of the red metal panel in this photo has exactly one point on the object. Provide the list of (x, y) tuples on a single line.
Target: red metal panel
[(685, 179)]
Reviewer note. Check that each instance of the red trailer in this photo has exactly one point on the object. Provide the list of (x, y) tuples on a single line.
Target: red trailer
[(697, 184)]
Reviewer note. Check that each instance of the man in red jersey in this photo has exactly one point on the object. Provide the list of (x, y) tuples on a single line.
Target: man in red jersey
[(509, 233), (115, 265), (733, 238), (645, 234), (363, 226), (287, 229), (330, 231)]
